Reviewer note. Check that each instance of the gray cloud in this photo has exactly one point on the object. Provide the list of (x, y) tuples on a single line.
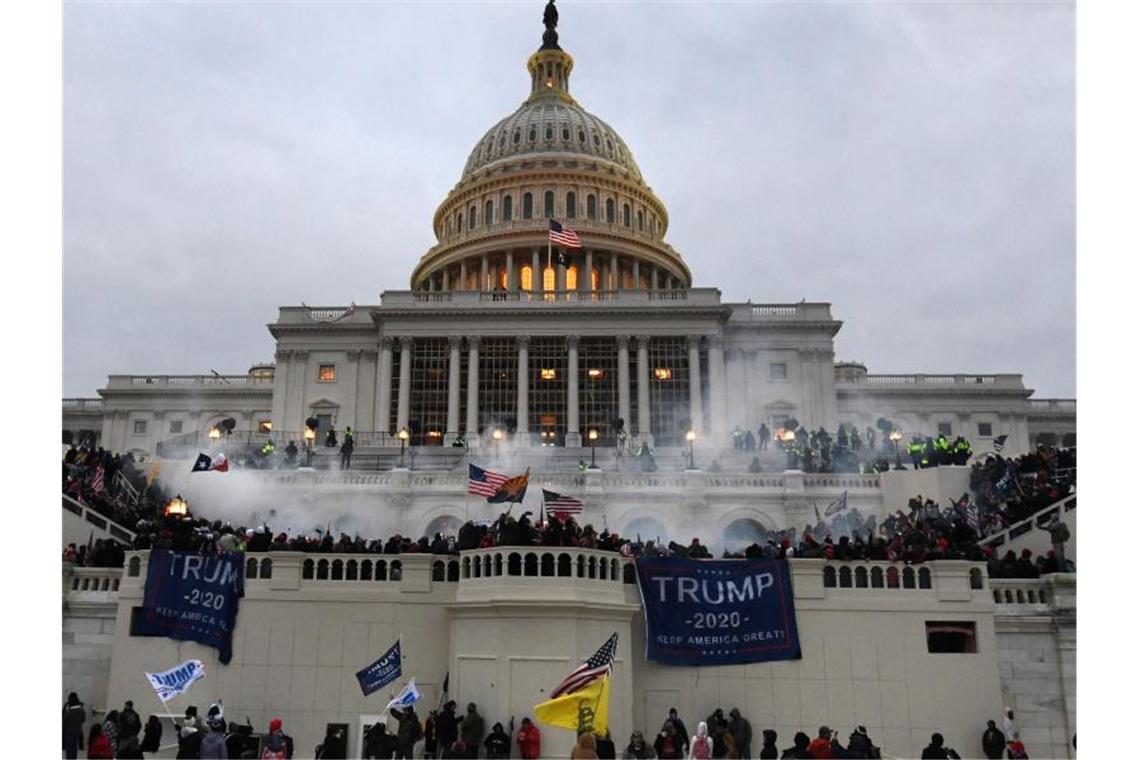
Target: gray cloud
[(913, 164)]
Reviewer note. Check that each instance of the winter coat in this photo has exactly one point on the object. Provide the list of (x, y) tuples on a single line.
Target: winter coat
[(633, 753), (820, 749), (741, 731), (152, 736), (530, 741), (993, 742), (129, 748), (447, 728), (605, 748), (498, 744), (472, 729), (409, 730), (585, 748), (189, 742), (100, 747), (74, 716), (934, 753), (213, 746)]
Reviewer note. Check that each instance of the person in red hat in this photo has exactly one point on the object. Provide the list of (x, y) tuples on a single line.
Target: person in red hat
[(278, 746)]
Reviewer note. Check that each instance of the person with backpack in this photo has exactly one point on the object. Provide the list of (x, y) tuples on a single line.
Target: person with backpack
[(701, 745)]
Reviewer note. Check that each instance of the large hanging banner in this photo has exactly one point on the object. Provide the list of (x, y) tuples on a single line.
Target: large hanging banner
[(713, 612), (193, 597)]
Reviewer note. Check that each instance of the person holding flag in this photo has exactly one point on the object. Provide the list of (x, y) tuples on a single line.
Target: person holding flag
[(409, 731), (582, 701)]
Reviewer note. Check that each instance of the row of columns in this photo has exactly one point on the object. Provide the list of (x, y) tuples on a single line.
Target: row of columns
[(573, 433), (609, 268)]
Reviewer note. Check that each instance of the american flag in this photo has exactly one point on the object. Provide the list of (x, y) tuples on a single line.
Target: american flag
[(999, 443), (600, 665), (972, 517), (560, 235), (560, 506), (482, 482), (97, 480)]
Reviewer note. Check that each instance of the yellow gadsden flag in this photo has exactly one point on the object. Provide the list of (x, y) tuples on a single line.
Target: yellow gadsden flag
[(583, 711)]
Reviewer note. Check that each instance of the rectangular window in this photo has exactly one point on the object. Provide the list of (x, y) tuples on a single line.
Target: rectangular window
[(547, 387), (175, 427), (597, 389), (945, 428), (985, 429), (264, 426), (778, 371), (140, 427), (326, 373), (951, 637), (669, 393), (427, 413)]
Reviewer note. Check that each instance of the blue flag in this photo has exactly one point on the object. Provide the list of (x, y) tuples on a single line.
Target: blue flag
[(382, 672)]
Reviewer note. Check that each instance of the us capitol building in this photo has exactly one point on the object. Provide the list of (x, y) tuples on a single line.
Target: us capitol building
[(531, 360)]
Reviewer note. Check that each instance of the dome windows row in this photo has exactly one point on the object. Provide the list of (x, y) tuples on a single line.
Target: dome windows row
[(554, 135), (608, 211)]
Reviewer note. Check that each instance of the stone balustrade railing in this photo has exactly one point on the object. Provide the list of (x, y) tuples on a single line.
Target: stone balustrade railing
[(1066, 405), (544, 299), (90, 585), (131, 381), (1002, 381), (83, 405), (1047, 595)]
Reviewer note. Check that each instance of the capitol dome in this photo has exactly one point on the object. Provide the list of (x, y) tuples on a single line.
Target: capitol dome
[(550, 159)]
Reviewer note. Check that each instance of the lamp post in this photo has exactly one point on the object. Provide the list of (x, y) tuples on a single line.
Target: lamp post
[(896, 435), (691, 436), (497, 434), (214, 435), (309, 435), (403, 435), (592, 436)]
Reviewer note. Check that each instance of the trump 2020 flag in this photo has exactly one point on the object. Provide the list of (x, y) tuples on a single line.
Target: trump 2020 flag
[(177, 680), (382, 672), (407, 697)]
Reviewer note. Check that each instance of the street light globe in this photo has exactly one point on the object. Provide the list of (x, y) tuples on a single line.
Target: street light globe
[(896, 435), (691, 435), (309, 434), (403, 434), (592, 435), (497, 434), (214, 434)]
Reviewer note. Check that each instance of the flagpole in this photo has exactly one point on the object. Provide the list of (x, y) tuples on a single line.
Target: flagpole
[(549, 265)]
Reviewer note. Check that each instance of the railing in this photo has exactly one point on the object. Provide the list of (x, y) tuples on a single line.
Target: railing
[(99, 521), (129, 492), (1008, 380), (486, 565), (537, 298), (1039, 520), (91, 584), (542, 225), (119, 381), (1053, 404), (1022, 596), (83, 405), (892, 575)]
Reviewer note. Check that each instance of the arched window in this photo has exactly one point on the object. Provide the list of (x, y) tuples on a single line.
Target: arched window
[(452, 571), (459, 222), (566, 134), (828, 576), (876, 577), (924, 577), (549, 132), (532, 134), (629, 574), (591, 207), (397, 570), (526, 278), (563, 565), (307, 570), (366, 570), (908, 577), (251, 569), (571, 205), (438, 571), (323, 570), (860, 577), (508, 209), (266, 569), (572, 278), (515, 138), (548, 279), (337, 570), (609, 211), (845, 577), (640, 220), (595, 279), (528, 205), (892, 577), (350, 570), (471, 218), (581, 567), (466, 567), (548, 204), (133, 567), (624, 214), (530, 565), (547, 565), (581, 136), (488, 213), (381, 570)]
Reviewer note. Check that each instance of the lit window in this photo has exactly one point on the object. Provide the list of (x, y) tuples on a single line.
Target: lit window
[(326, 373), (526, 278), (547, 374), (594, 374), (572, 278), (548, 278), (663, 373), (985, 429), (264, 426), (140, 427), (434, 434), (175, 427), (778, 371)]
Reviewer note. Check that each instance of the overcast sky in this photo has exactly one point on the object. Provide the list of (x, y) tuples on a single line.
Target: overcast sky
[(911, 164)]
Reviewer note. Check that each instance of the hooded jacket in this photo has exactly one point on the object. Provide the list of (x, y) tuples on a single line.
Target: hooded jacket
[(584, 749), (530, 741)]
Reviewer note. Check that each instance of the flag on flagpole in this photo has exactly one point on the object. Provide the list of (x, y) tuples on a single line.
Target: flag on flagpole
[(482, 482), (513, 490), (999, 443), (583, 711), (562, 235), (600, 665), (407, 697), (560, 506), (97, 480), (170, 683), (836, 506), (205, 464), (382, 672)]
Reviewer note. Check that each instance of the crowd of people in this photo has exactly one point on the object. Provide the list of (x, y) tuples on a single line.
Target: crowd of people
[(1008, 490), (446, 733)]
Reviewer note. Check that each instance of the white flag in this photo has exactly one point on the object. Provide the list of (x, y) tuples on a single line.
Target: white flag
[(407, 697), (177, 680)]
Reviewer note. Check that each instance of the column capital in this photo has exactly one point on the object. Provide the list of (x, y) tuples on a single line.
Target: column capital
[(454, 342), (282, 356), (386, 342), (406, 342), (370, 353), (572, 341), (302, 355), (693, 341), (623, 342), (523, 341), (642, 341), (353, 354), (473, 341), (716, 340)]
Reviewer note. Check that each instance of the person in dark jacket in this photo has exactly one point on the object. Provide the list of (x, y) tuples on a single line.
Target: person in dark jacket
[(497, 743), (682, 731), (637, 749), (152, 734), (667, 745), (993, 741), (408, 733), (935, 750), (472, 731), (431, 725), (741, 731), (447, 726), (130, 749), (799, 749), (129, 722), (74, 716), (768, 751), (214, 741), (860, 745), (378, 743), (604, 746), (189, 738)]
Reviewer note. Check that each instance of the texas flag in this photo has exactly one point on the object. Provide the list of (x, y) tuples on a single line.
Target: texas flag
[(204, 464)]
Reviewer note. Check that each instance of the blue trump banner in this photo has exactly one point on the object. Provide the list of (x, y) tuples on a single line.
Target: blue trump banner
[(193, 597), (717, 612), (383, 671)]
